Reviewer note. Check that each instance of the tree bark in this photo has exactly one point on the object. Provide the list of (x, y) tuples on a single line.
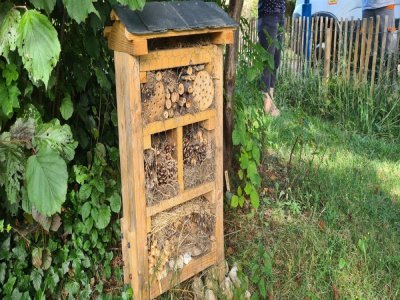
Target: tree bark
[(231, 57)]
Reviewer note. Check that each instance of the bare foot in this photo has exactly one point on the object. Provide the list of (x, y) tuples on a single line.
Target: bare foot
[(269, 106)]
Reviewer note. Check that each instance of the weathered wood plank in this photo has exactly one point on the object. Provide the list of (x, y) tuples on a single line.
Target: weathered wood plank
[(184, 120), (183, 197), (194, 267), (173, 58), (131, 138)]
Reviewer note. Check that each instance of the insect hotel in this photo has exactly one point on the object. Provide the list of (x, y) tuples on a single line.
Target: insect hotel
[(169, 82)]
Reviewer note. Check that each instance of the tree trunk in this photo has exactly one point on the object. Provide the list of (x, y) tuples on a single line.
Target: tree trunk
[(231, 57)]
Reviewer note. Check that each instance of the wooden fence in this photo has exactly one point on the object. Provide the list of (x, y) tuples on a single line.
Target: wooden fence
[(358, 51)]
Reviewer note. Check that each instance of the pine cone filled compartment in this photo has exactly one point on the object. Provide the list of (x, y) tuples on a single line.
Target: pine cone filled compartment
[(175, 92), (198, 156), (179, 235), (161, 169)]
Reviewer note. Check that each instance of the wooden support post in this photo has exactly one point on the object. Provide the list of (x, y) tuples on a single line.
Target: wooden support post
[(132, 175), (217, 64)]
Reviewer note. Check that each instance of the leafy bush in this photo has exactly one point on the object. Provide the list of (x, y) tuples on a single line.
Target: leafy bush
[(59, 165)]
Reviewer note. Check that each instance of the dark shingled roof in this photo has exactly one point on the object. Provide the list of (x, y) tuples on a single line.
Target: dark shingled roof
[(177, 16)]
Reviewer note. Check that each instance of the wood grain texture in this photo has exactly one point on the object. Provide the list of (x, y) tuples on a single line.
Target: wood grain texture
[(216, 69), (184, 120), (131, 142), (194, 267), (183, 197), (174, 58)]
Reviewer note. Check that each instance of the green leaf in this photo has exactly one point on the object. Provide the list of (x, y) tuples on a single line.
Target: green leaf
[(235, 201), (239, 191), (133, 4), (115, 202), (72, 287), (9, 20), (46, 258), (46, 175), (262, 289), (244, 160), (9, 98), (254, 199), (85, 210), (252, 174), (10, 73), (241, 201), (256, 154), (248, 188), (37, 257), (99, 184), (80, 10), (38, 45), (3, 269), (103, 80), (47, 5), (101, 216), (8, 287), (67, 107), (56, 136), (85, 191), (36, 278)]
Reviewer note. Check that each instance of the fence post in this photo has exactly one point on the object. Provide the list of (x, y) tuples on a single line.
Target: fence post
[(328, 43), (306, 11)]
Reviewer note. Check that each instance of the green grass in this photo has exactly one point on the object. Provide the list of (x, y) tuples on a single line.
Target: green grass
[(334, 226)]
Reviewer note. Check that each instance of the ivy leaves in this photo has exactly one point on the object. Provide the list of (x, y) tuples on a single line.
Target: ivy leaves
[(46, 175), (38, 45)]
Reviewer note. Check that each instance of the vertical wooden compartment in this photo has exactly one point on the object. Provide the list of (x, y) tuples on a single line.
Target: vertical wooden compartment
[(141, 217)]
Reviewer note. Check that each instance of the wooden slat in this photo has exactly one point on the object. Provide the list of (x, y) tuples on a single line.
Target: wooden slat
[(143, 77), (362, 54), (118, 42), (328, 44), (132, 175), (383, 49), (179, 154), (370, 37), (166, 59), (321, 30), (292, 44), (195, 266), (340, 58), (223, 37), (125, 252), (217, 65), (375, 54), (180, 199), (357, 46), (335, 29), (310, 45), (345, 58), (184, 120), (316, 26), (171, 33), (351, 46)]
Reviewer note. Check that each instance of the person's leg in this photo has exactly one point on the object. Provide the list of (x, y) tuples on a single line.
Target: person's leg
[(278, 52), (267, 33)]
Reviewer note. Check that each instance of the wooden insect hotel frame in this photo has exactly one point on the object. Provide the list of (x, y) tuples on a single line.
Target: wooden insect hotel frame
[(169, 87)]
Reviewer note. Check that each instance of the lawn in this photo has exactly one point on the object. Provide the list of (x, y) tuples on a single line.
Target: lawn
[(329, 220)]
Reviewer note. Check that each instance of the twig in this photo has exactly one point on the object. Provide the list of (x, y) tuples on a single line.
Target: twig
[(291, 153)]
